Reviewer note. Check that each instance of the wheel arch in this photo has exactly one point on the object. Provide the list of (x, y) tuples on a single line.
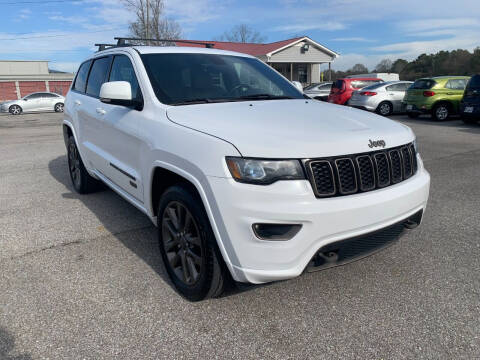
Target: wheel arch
[(443, 101), (173, 175)]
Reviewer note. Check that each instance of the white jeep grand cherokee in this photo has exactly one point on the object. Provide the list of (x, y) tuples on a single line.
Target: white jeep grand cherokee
[(244, 177)]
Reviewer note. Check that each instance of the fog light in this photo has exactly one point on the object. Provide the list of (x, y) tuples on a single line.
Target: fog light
[(276, 232)]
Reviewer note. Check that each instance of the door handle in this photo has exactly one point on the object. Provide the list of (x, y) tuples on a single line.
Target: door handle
[(78, 102), (100, 111)]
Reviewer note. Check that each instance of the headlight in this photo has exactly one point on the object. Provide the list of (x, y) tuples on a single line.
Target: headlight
[(264, 172)]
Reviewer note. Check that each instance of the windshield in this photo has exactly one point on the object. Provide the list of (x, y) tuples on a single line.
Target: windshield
[(180, 79)]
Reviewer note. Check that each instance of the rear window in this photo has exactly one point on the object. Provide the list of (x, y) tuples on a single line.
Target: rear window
[(97, 76), (474, 82), (360, 84), (423, 84), (338, 84), (81, 79)]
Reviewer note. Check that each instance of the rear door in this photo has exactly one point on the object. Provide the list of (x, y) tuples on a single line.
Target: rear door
[(74, 108), (396, 94), (454, 91)]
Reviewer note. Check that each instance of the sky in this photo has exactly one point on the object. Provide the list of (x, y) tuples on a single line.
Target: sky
[(362, 31)]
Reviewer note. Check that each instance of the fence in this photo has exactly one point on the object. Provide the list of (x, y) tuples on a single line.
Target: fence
[(13, 90)]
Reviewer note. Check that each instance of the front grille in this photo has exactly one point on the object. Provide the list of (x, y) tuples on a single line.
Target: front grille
[(355, 173)]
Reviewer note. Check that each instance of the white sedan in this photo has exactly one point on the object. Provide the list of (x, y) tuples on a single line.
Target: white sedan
[(40, 101)]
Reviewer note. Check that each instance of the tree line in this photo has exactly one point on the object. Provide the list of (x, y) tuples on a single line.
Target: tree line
[(456, 62)]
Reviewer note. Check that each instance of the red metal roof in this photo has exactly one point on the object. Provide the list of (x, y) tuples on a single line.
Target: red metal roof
[(246, 48)]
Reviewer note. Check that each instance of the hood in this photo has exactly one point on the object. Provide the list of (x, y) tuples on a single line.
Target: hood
[(292, 128), (7, 103)]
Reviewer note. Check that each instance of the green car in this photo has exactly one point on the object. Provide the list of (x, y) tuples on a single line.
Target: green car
[(439, 96)]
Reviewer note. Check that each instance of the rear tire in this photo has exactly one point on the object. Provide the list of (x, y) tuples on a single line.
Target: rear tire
[(188, 246), (15, 110), (385, 108), (441, 112), (82, 182), (413, 115), (58, 107)]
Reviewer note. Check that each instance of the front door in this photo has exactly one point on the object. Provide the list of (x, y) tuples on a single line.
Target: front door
[(118, 125)]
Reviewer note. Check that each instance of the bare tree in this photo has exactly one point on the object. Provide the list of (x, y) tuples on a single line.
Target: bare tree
[(358, 69), (384, 66), (242, 33), (151, 22)]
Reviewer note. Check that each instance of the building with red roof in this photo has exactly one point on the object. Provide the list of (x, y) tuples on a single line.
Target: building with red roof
[(298, 59)]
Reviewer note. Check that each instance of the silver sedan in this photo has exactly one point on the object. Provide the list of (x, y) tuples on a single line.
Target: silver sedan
[(41, 101), (384, 98), (319, 91)]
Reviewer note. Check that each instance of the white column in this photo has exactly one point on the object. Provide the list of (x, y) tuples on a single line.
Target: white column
[(47, 85), (17, 88)]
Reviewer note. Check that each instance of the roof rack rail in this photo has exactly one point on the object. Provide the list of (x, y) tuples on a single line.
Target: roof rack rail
[(122, 41), (102, 47)]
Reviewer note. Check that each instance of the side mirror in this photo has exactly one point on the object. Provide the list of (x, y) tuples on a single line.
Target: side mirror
[(298, 85), (117, 93)]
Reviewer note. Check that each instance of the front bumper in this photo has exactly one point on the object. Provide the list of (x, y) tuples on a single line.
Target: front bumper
[(324, 221)]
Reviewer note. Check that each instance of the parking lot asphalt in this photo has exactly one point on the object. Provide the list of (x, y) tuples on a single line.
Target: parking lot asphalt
[(81, 276)]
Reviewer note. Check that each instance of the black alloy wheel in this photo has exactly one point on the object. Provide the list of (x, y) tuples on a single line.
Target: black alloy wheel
[(188, 245), (182, 243), (82, 181)]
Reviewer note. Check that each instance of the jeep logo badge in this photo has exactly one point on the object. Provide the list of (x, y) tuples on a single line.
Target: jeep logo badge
[(377, 143)]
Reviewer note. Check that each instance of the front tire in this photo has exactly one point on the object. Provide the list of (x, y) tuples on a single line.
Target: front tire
[(188, 246), (441, 112), (58, 107), (82, 182), (15, 110), (385, 108)]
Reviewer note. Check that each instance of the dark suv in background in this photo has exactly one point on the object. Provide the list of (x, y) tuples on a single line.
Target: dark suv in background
[(470, 104)]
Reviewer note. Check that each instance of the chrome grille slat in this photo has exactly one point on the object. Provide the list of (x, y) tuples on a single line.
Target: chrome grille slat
[(345, 175)]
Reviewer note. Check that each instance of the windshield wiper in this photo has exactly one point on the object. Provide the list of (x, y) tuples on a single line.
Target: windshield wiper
[(203, 101), (264, 97)]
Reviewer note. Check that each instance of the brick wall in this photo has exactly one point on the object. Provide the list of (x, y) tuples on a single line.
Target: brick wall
[(59, 87), (8, 89), (28, 87)]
